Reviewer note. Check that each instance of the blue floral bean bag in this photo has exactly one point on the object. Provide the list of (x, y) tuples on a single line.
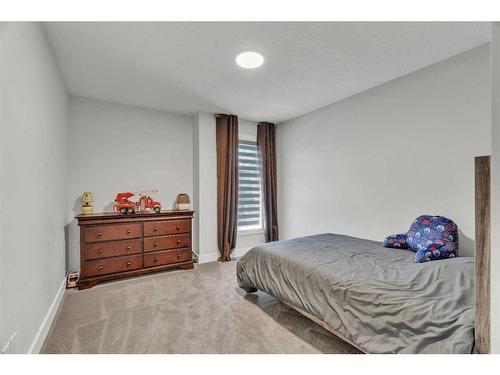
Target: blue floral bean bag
[(431, 237)]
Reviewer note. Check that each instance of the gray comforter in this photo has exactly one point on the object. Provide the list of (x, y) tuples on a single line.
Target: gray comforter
[(375, 297)]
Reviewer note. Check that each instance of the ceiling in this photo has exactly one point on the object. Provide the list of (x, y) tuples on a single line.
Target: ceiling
[(189, 67)]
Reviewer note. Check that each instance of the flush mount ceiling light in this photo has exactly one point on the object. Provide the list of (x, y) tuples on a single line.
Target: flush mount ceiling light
[(249, 60)]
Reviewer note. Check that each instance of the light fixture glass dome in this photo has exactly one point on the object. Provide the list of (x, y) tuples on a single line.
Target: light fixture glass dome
[(249, 60)]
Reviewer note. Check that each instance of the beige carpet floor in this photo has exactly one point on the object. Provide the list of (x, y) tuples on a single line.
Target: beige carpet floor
[(192, 311)]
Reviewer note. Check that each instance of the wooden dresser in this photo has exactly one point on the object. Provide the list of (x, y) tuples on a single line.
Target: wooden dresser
[(114, 246)]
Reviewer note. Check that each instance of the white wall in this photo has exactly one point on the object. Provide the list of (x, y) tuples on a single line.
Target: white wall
[(33, 171), (495, 189), (116, 148), (368, 165), (205, 187)]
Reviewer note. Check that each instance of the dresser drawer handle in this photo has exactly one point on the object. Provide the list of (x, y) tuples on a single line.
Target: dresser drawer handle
[(178, 242), (100, 251), (100, 267), (99, 234), (155, 259), (129, 246), (155, 229), (178, 227), (178, 256), (155, 244), (129, 231), (129, 263)]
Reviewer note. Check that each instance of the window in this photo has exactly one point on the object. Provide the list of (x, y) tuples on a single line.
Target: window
[(249, 199)]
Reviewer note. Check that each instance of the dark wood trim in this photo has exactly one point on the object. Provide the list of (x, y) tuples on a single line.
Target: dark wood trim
[(482, 253)]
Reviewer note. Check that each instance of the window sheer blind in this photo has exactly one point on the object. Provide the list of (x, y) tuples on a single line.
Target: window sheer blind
[(249, 199)]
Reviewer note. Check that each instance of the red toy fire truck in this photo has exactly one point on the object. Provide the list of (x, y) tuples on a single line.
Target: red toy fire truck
[(124, 205)]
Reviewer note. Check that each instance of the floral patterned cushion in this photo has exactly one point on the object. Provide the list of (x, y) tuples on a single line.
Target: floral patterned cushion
[(433, 238), (397, 241)]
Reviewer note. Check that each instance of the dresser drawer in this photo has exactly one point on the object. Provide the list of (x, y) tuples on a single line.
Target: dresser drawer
[(99, 250), (112, 232), (166, 242), (158, 228), (166, 257), (112, 265)]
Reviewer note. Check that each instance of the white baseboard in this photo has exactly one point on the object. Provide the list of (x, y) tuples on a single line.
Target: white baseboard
[(212, 257), (205, 258), (36, 346)]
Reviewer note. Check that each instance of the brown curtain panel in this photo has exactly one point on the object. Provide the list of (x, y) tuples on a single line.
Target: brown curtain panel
[(227, 184), (266, 144)]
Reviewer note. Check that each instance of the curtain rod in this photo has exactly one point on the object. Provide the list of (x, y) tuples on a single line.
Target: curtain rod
[(217, 115)]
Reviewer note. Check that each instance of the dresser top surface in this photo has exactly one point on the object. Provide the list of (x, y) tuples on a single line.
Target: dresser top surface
[(142, 215)]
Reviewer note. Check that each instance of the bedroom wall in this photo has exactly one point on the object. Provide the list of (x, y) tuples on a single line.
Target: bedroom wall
[(495, 190), (117, 148), (368, 165), (33, 173), (205, 187)]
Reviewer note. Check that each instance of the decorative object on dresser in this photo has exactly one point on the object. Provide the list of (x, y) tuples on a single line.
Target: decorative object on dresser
[(87, 203), (115, 246), (183, 202), (124, 205)]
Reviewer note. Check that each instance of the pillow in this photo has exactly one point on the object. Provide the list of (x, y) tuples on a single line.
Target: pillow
[(433, 238), (397, 241)]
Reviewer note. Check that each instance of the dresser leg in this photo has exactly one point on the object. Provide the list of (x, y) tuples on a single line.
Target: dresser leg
[(86, 284), (187, 266)]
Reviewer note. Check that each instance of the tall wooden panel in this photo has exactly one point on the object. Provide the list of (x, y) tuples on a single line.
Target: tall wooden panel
[(482, 253)]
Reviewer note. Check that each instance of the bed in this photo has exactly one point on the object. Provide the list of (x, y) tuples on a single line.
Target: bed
[(378, 299)]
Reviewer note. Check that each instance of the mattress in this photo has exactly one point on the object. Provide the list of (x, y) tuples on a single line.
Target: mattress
[(377, 298)]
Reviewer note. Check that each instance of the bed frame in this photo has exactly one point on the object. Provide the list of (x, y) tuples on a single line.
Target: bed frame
[(324, 325), (482, 261)]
